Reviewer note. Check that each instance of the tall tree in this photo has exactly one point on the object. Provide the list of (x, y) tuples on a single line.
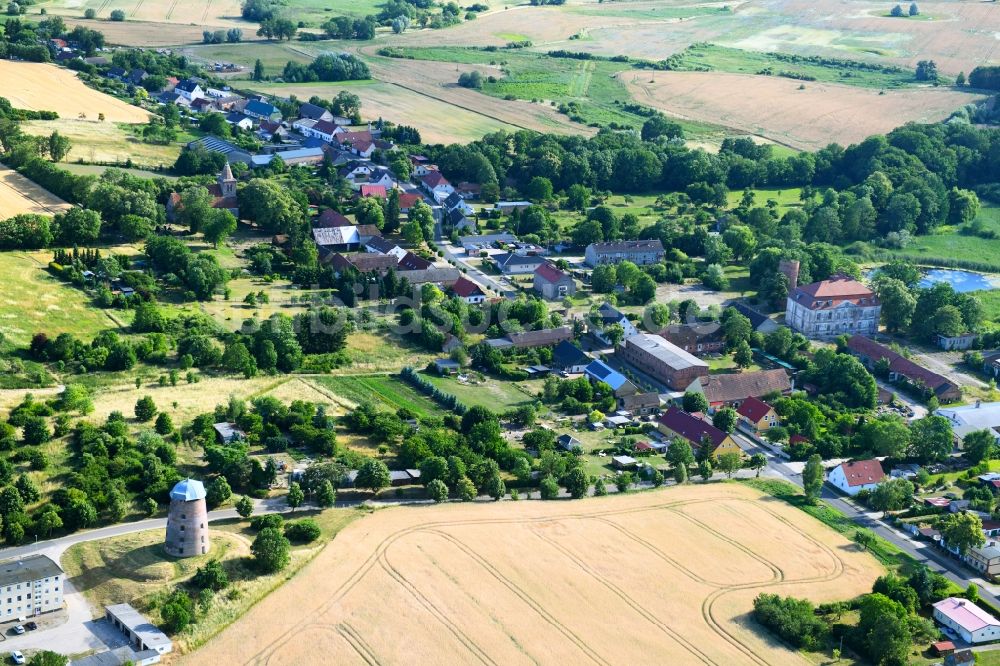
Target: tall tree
[(812, 477)]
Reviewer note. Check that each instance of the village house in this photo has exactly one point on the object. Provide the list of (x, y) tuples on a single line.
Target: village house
[(833, 307), (903, 369), (662, 361), (189, 89), (382, 245), (262, 110), (697, 432), (640, 403), (314, 112), (408, 200), (985, 559), (569, 443), (757, 415), (569, 358), (511, 263), (853, 477), (240, 120), (468, 291), (758, 320), (377, 191), (608, 315), (543, 337), (437, 185), (552, 284), (411, 262), (319, 129), (639, 252), (331, 218), (698, 338), (599, 371), (731, 389), (969, 621)]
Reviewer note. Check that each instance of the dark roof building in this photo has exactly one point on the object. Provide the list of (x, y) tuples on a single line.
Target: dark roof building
[(697, 338), (696, 431), (28, 569), (734, 388), (567, 356), (902, 368)]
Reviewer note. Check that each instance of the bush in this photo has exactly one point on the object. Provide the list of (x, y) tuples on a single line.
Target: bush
[(117, 15), (303, 531), (211, 577), (177, 612), (794, 620), (272, 520), (270, 550)]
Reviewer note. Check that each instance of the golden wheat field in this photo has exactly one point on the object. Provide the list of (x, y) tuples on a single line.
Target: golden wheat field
[(662, 577), (20, 195), (805, 116), (44, 87)]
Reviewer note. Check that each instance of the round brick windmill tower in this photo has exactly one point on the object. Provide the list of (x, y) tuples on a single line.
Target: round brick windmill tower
[(187, 521)]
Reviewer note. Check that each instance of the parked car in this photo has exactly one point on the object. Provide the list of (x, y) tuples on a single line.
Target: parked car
[(30, 626), (19, 630), (17, 657)]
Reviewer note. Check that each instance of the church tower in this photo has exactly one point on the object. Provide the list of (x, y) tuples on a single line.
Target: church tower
[(227, 182)]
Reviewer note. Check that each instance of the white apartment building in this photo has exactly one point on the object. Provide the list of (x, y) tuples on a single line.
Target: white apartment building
[(30, 586)]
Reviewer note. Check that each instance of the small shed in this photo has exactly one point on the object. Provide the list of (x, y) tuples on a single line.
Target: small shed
[(228, 433), (446, 366), (569, 443), (624, 462)]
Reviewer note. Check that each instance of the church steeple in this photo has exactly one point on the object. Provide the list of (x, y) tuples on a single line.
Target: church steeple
[(227, 182)]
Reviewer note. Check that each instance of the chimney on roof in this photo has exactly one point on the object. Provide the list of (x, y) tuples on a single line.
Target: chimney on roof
[(790, 269)]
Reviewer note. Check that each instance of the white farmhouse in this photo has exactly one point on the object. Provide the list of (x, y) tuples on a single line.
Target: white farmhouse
[(853, 477), (967, 619)]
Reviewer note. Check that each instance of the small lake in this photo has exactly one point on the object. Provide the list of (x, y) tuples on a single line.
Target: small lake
[(961, 281)]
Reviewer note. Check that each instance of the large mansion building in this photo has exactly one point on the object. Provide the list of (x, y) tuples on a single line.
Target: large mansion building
[(833, 307)]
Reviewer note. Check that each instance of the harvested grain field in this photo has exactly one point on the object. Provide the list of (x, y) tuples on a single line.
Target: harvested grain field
[(20, 195), (777, 109), (438, 121), (43, 87), (107, 142), (540, 582)]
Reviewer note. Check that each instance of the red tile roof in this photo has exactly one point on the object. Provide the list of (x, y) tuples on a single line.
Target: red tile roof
[(899, 364), (862, 472), (408, 200), (374, 191), (434, 179), (550, 273), (324, 127), (753, 409), (833, 292), (691, 428), (465, 288)]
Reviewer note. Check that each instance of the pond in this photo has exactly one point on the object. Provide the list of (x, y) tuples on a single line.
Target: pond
[(961, 281)]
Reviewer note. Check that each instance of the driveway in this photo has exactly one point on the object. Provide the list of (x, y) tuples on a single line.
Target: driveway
[(946, 363), (457, 255)]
